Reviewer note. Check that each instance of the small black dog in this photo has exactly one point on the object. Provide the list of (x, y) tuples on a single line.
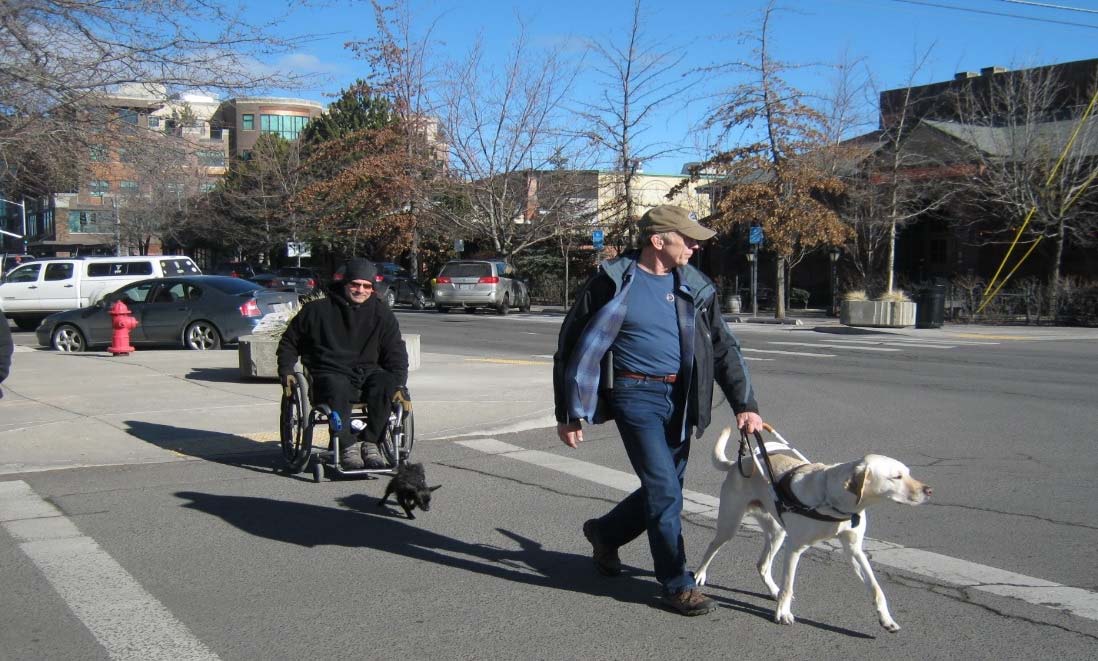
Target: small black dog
[(410, 486)]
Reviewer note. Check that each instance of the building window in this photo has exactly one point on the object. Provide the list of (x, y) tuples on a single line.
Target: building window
[(99, 186), (128, 116), (215, 134), (127, 186), (98, 153), (212, 159), (286, 126), (89, 222), (246, 155), (247, 122), (207, 187), (154, 122)]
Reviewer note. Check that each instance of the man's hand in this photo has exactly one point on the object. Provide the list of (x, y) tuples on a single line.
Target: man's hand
[(570, 433), (749, 422), (288, 382)]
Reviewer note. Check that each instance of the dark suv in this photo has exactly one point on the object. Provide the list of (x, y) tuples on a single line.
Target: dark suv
[(236, 270)]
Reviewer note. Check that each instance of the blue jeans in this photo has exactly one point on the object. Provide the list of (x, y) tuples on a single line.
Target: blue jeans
[(651, 428)]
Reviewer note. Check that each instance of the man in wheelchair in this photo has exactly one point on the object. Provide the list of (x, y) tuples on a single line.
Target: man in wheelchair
[(350, 343)]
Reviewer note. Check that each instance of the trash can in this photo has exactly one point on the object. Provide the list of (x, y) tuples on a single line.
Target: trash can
[(732, 304), (930, 307)]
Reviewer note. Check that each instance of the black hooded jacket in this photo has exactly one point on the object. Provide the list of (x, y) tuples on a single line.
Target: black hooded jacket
[(333, 335)]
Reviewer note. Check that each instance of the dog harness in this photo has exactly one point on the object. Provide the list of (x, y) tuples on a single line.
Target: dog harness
[(784, 498)]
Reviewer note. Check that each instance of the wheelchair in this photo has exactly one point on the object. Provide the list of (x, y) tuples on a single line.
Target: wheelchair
[(299, 417)]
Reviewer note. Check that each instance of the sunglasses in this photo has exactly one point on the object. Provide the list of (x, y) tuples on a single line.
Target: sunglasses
[(360, 285)]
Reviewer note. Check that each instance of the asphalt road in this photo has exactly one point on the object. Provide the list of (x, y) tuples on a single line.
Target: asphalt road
[(249, 564)]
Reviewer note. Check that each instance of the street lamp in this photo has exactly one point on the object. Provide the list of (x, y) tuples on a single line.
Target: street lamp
[(23, 210), (834, 255), (753, 259)]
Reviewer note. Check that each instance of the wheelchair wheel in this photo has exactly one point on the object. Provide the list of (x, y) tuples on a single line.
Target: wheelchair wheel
[(295, 427), (396, 441)]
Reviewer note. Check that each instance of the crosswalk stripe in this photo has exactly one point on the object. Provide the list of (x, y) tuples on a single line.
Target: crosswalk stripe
[(941, 568), (900, 343), (789, 353), (126, 620)]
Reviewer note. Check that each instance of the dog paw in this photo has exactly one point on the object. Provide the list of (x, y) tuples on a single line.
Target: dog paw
[(890, 626), (699, 578), (783, 618)]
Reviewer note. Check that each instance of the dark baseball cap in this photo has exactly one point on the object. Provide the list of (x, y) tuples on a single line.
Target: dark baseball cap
[(669, 218)]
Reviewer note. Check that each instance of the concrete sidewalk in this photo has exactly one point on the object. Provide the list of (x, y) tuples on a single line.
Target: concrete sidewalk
[(72, 410)]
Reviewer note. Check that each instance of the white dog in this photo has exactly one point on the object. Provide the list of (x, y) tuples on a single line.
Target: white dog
[(838, 491)]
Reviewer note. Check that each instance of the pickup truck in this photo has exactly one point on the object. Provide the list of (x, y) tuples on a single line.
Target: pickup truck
[(35, 290)]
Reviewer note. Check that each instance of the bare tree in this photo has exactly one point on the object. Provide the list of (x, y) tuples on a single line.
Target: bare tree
[(504, 126), (773, 179), (1036, 149), (59, 57), (638, 78)]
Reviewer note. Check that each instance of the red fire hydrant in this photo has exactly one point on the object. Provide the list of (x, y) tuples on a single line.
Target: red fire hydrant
[(123, 322)]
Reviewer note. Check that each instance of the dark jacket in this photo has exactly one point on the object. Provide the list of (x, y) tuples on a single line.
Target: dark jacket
[(332, 335), (7, 346), (714, 354)]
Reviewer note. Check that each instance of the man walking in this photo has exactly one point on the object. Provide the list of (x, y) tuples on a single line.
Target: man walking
[(643, 345)]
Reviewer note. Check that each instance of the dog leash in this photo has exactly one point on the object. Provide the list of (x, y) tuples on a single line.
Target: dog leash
[(781, 490)]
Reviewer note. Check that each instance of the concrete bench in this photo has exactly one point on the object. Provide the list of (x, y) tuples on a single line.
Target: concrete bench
[(256, 354)]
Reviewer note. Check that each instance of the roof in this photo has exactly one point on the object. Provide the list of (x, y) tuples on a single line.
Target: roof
[(1008, 141)]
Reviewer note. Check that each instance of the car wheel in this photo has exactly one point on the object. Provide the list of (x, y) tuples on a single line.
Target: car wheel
[(442, 309), (505, 305), (419, 301), (68, 338), (202, 336), (391, 298), (525, 305), (470, 310)]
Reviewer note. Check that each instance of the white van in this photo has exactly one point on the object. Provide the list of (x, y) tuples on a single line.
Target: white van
[(34, 290)]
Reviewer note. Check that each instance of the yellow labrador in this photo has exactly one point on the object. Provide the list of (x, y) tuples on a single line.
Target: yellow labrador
[(837, 490)]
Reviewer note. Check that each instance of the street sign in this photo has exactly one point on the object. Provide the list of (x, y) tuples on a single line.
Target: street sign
[(756, 235), (459, 245), (596, 239), (298, 249)]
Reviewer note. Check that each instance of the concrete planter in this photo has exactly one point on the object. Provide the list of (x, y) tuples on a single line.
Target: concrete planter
[(256, 355), (877, 314)]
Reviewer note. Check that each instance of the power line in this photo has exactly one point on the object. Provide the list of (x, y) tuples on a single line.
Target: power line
[(1045, 5), (988, 12)]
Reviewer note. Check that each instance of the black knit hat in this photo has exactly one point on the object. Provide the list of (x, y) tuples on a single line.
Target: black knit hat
[(359, 269)]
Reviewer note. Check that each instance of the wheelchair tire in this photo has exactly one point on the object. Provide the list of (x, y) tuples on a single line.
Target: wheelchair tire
[(295, 427), (318, 472), (397, 451)]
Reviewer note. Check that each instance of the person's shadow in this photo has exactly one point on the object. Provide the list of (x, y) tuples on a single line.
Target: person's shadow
[(219, 447)]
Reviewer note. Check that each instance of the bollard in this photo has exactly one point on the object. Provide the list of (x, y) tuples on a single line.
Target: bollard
[(122, 322)]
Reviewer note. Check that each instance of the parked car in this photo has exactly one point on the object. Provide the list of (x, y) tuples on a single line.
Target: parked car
[(394, 285), (236, 270), (284, 282), (472, 284), (199, 312), (304, 273), (41, 287)]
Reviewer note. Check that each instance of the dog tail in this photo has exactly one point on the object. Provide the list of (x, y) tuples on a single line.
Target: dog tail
[(720, 461)]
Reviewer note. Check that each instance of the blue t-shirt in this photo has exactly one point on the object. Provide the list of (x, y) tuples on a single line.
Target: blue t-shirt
[(648, 342)]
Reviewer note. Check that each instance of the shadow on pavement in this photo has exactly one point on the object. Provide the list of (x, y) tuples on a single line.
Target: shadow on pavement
[(218, 447), (216, 375), (847, 330), (362, 524)]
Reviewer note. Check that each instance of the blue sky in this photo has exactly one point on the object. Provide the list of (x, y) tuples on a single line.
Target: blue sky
[(890, 35)]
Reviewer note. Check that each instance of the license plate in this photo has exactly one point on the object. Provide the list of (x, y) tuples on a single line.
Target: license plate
[(466, 286)]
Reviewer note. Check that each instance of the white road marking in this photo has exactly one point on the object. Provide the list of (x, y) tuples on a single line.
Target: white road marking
[(789, 353), (831, 346), (939, 568), (126, 620), (900, 343)]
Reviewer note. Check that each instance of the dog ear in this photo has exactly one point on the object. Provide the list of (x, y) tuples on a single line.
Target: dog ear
[(437, 486), (856, 485)]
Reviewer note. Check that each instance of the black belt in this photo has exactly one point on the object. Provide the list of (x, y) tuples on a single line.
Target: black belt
[(670, 378)]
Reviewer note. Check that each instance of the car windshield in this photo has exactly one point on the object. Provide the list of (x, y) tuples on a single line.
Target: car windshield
[(233, 286), (467, 270)]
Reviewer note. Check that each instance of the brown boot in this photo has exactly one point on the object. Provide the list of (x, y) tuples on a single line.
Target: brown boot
[(689, 602), (606, 557)]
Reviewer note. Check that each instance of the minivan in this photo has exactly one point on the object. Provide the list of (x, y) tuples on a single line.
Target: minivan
[(37, 289), (473, 283)]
